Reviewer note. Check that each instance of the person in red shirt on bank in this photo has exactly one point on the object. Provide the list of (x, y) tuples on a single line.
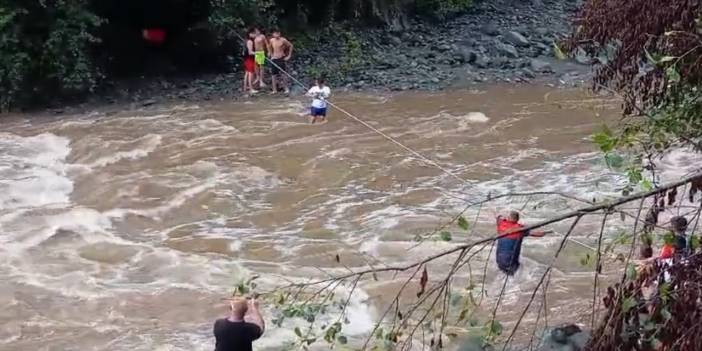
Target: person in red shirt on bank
[(509, 246)]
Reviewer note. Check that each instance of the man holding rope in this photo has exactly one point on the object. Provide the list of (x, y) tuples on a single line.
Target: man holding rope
[(509, 244)]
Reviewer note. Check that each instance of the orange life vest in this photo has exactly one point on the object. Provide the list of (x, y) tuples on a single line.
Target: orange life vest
[(667, 251), (506, 226)]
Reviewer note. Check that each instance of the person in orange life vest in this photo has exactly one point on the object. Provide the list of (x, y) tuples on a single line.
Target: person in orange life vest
[(675, 242), (509, 246)]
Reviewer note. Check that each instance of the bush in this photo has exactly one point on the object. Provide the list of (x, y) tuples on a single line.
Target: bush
[(45, 50), (441, 9)]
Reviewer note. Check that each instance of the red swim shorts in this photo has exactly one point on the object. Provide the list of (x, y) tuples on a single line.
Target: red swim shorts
[(249, 64)]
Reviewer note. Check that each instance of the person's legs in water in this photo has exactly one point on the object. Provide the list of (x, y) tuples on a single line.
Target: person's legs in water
[(319, 115)]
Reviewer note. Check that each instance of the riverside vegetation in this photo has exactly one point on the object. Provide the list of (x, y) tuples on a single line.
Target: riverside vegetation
[(67, 50)]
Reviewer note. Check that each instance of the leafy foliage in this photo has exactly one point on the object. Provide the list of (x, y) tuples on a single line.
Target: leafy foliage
[(650, 53), (658, 309), (45, 50), (442, 9), (646, 49)]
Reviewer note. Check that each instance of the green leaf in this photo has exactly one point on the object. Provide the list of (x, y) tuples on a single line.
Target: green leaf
[(463, 314), (379, 334), (456, 299), (494, 328), (672, 74), (604, 140), (628, 304), (631, 272), (298, 332), (666, 59), (558, 52), (445, 236), (664, 292), (342, 340), (462, 223), (614, 160), (585, 260), (646, 185), (694, 242)]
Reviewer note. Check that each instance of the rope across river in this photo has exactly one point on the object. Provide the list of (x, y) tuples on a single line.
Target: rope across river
[(413, 152)]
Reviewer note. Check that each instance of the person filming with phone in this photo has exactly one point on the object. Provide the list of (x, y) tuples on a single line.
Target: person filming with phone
[(241, 328)]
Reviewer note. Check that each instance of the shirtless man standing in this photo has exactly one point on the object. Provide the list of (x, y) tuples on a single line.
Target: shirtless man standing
[(281, 51), (261, 51)]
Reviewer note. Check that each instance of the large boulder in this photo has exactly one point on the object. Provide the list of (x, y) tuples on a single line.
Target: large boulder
[(565, 338)]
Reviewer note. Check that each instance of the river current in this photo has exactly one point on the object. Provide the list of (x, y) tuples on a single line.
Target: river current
[(121, 228)]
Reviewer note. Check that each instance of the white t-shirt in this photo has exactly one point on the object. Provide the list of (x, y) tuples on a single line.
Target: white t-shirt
[(319, 96)]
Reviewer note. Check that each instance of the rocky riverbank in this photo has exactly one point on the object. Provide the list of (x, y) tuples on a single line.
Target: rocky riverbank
[(496, 41)]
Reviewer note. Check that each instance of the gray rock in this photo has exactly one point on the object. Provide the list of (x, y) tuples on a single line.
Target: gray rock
[(542, 31), (565, 338), (582, 58), (394, 40), (482, 61), (468, 42), (516, 39), (527, 73), (507, 50), (580, 340), (540, 66), (465, 55), (148, 102), (491, 29)]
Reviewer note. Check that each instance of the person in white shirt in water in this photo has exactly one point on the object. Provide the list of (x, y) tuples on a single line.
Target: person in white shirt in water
[(319, 93)]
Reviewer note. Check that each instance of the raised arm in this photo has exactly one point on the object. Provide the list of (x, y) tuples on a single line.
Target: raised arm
[(254, 315)]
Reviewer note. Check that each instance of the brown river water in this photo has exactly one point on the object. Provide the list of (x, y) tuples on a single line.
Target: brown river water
[(121, 229)]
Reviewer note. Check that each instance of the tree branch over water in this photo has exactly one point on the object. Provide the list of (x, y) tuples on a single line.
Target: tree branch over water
[(435, 301)]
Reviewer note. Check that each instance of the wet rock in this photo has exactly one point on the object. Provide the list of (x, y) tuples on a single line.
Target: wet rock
[(516, 39), (482, 61), (540, 66), (507, 50), (542, 31), (491, 29), (527, 73), (148, 102), (465, 55), (394, 40), (444, 48), (565, 338), (582, 58)]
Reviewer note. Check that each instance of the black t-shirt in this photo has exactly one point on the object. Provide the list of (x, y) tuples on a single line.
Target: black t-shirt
[(235, 336)]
